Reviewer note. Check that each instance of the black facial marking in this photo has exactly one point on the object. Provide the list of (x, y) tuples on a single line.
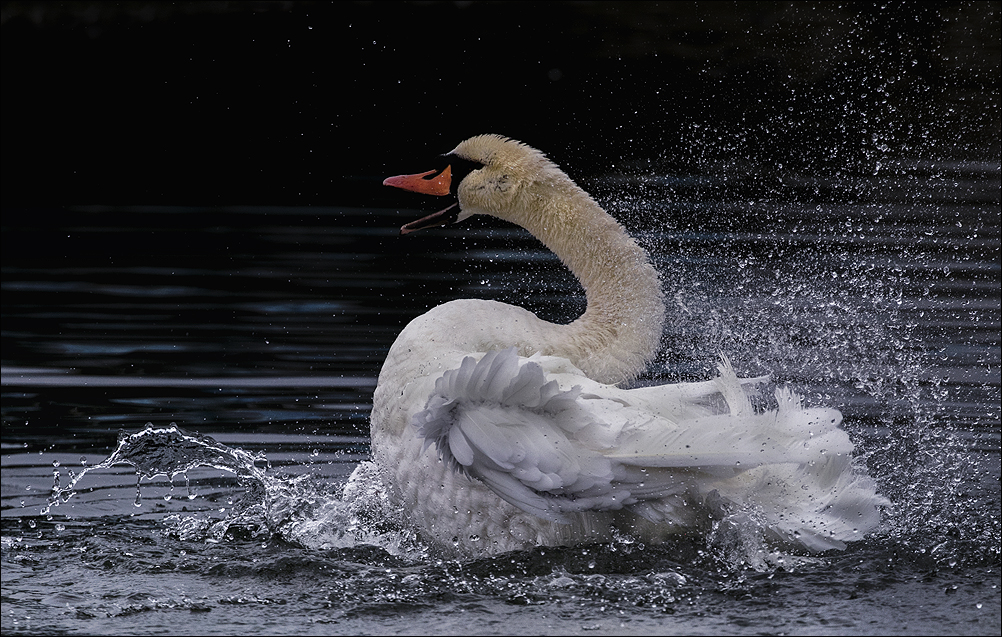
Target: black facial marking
[(461, 167)]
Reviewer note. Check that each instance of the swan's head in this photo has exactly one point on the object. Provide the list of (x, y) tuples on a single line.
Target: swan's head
[(486, 174)]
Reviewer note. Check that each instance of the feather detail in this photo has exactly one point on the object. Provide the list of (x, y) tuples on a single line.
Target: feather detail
[(552, 452)]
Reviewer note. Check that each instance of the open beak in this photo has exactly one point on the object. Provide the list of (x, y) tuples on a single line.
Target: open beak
[(439, 185)]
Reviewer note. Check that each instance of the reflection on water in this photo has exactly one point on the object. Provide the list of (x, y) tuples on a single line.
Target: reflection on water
[(266, 328)]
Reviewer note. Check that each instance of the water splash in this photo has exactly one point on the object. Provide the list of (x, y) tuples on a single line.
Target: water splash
[(167, 451), (302, 510)]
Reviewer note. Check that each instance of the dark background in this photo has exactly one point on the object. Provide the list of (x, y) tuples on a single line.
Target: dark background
[(306, 103)]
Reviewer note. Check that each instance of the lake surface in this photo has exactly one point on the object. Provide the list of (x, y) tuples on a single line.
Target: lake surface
[(265, 328)]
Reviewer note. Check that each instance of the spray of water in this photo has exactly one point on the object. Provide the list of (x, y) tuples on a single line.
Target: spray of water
[(824, 297), (299, 509)]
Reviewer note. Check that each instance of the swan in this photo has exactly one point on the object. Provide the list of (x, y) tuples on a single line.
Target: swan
[(493, 430)]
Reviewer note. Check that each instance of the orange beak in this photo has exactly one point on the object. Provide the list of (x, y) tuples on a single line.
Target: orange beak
[(438, 185)]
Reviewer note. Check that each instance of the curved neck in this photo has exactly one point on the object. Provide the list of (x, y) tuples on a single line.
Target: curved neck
[(620, 330)]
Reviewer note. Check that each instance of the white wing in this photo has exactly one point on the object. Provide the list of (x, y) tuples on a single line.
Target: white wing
[(551, 441)]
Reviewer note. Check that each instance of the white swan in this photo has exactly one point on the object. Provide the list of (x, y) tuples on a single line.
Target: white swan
[(493, 430)]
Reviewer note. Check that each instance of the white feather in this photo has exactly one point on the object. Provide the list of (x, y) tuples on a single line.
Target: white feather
[(551, 451)]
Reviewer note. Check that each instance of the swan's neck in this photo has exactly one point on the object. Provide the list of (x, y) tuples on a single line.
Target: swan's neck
[(620, 330)]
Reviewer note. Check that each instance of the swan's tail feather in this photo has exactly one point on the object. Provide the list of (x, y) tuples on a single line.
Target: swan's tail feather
[(732, 391)]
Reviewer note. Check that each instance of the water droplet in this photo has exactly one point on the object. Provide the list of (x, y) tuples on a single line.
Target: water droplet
[(139, 493)]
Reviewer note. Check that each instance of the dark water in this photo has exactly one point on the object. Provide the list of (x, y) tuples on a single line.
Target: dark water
[(265, 328)]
